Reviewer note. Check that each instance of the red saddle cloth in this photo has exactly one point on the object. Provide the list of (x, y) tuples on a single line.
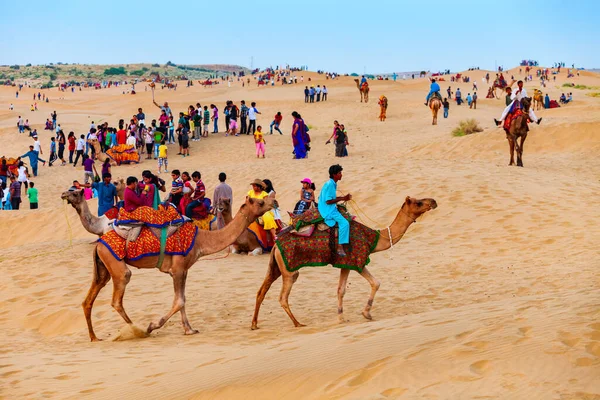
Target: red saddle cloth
[(511, 116), (148, 244)]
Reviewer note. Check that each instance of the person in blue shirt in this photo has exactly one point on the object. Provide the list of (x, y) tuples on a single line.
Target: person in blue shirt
[(434, 88), (328, 200), (34, 157), (363, 80), (107, 194)]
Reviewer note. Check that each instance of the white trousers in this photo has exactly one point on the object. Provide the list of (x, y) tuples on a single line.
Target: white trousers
[(532, 116)]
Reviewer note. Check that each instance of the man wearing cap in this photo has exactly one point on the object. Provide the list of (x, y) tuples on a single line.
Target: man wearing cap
[(107, 194), (328, 207), (34, 157)]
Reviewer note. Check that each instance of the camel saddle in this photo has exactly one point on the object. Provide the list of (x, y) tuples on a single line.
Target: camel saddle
[(128, 225), (306, 223)]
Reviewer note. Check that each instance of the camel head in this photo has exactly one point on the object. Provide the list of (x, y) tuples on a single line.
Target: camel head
[(526, 103), (257, 207), (120, 185), (224, 206), (73, 197), (414, 208)]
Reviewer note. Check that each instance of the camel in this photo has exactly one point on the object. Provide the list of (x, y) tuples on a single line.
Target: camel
[(518, 128), (496, 85), (434, 105), (100, 156), (95, 225), (410, 211), (364, 91), (538, 99), (246, 242), (106, 266), (383, 105)]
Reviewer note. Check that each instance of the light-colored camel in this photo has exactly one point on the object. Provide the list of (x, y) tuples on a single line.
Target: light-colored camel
[(95, 225), (100, 156), (364, 92), (538, 99), (106, 266), (383, 105), (434, 105), (246, 242), (408, 214)]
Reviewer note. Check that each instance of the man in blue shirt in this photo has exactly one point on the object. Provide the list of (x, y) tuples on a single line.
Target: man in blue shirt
[(107, 194), (435, 87), (328, 207), (34, 157)]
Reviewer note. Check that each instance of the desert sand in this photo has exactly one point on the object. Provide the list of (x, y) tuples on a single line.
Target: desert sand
[(492, 295)]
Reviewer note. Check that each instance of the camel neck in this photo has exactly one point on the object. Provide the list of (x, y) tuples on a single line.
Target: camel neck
[(397, 229), (209, 242), (87, 219)]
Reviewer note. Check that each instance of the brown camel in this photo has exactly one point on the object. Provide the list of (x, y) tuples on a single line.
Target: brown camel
[(383, 105), (95, 225), (496, 85), (364, 91), (408, 214), (518, 128), (434, 104), (106, 266), (246, 242), (538, 99), (100, 156)]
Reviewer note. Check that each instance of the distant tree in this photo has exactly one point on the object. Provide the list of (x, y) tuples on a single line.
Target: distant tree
[(170, 64), (52, 76), (15, 67), (144, 69), (155, 65), (137, 72), (115, 71), (28, 65)]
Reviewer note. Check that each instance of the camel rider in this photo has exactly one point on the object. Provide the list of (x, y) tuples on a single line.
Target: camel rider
[(434, 88), (516, 98), (328, 207), (363, 80)]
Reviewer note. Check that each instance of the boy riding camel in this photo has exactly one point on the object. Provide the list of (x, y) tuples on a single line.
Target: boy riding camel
[(328, 207), (516, 98)]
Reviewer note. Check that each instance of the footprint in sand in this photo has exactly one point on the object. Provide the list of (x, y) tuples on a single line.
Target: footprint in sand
[(393, 392), (480, 367), (360, 376)]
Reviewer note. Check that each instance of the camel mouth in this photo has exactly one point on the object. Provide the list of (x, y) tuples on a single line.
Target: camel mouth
[(433, 205)]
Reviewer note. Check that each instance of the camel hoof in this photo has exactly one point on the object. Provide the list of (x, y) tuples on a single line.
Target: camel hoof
[(254, 327), (367, 315), (192, 332), (95, 339), (299, 325)]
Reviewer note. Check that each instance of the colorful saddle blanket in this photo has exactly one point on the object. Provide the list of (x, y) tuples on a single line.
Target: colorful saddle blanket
[(123, 153), (514, 113), (320, 249), (165, 215), (147, 243)]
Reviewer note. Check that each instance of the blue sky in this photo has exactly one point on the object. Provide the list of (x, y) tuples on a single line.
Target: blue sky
[(344, 36)]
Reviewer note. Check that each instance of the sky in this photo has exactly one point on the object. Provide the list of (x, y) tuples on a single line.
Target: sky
[(343, 36)]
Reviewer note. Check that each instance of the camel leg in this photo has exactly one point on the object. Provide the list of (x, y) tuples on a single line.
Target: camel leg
[(120, 280), (179, 276), (374, 288), (341, 292), (272, 275), (511, 146), (101, 278), (286, 288), (520, 153)]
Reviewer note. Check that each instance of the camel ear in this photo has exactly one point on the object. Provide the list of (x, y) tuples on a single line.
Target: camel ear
[(407, 200)]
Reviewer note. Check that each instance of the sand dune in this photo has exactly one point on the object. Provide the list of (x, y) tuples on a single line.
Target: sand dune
[(492, 295)]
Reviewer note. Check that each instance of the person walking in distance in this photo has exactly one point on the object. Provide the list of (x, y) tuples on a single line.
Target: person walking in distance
[(244, 118)]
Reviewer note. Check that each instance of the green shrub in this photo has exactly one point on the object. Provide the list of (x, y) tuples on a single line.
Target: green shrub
[(137, 72), (115, 71), (467, 127), (15, 67)]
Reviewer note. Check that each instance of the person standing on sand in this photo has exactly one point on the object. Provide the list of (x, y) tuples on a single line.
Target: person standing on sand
[(15, 192), (276, 122), (215, 117), (32, 195), (474, 101), (324, 91), (222, 191), (206, 121), (306, 94), (446, 105), (259, 142), (244, 118), (252, 111)]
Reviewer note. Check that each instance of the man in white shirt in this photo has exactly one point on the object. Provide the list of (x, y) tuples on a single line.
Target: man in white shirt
[(37, 146), (252, 111), (79, 147), (518, 95), (131, 141)]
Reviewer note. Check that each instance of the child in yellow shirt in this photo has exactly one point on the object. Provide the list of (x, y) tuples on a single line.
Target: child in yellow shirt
[(162, 157), (260, 142)]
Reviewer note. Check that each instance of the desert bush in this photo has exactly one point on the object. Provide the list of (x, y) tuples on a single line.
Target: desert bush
[(467, 127), (115, 71)]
